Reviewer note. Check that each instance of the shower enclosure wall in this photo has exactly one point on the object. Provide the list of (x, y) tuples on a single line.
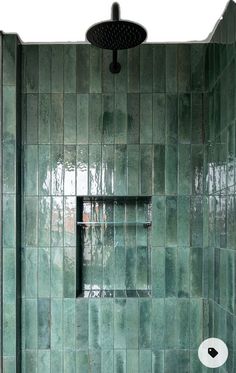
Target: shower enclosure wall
[(164, 127)]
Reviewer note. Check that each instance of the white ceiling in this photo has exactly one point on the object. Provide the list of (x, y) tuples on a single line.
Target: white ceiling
[(68, 20)]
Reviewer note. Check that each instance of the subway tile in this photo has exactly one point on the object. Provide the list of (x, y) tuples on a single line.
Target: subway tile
[(170, 323), (32, 119), (158, 324), (56, 325), (108, 130), (132, 323), (184, 169), (94, 324), (183, 220), (82, 170), (108, 79), (146, 118), (57, 68), (9, 275), (69, 169), (57, 169), (82, 361), (120, 179), (31, 361), (9, 113), (70, 118), (82, 118), (43, 272), (171, 68), (119, 361), (146, 67), (56, 271), (146, 158), (171, 169), (45, 60), (196, 329), (44, 170), (197, 119), (132, 360), (69, 68), (57, 221), (69, 323), (81, 319), (69, 272), (43, 361), (133, 169), (158, 272), (171, 221), (159, 68), (159, 118), (158, 224), (44, 118), (197, 67), (31, 170), (9, 44), (145, 361), (145, 315), (133, 69), (30, 221), (43, 318), (121, 78), (107, 331), (108, 169), (133, 113), (56, 361), (159, 169), (183, 323), (120, 118), (83, 68), (9, 167), (95, 175), (31, 332), (184, 117), (9, 328), (9, 225), (95, 118), (70, 361), (171, 119), (31, 68), (196, 271), (31, 258), (196, 238), (183, 272), (184, 67), (56, 118), (44, 230), (157, 361), (69, 221), (119, 324), (170, 271), (95, 70)]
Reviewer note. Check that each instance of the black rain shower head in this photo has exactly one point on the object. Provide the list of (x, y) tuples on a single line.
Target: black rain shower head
[(116, 35)]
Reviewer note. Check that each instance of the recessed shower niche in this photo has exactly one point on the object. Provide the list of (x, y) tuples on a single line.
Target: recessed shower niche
[(113, 246)]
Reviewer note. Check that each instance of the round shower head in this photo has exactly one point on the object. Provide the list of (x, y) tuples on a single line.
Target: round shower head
[(116, 35)]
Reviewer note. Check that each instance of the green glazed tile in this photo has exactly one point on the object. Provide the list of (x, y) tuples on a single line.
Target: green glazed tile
[(120, 180), (9, 43), (157, 361), (171, 221), (31, 333), (196, 222), (44, 221), (82, 118), (69, 323), (197, 119), (183, 323), (69, 272), (170, 271), (44, 120), (158, 324), (183, 272), (57, 69), (9, 364), (94, 323), (82, 170), (9, 275), (119, 361), (9, 167), (195, 323), (82, 361), (43, 272), (146, 118), (81, 314), (171, 68), (70, 361), (196, 264), (145, 315), (146, 159), (133, 169), (95, 118), (142, 276), (120, 118), (120, 268), (133, 113), (32, 119), (107, 329), (56, 118), (132, 323), (31, 68), (9, 329), (69, 221), (158, 224), (107, 169), (146, 68), (184, 113), (119, 323), (131, 268), (158, 272), (145, 361), (43, 323), (230, 281), (134, 69), (159, 68), (183, 221), (170, 323), (184, 169), (31, 170), (171, 169), (159, 169), (95, 70), (57, 221), (108, 267), (108, 79), (108, 130), (197, 67), (69, 169), (184, 68), (171, 119), (132, 363), (31, 221), (70, 118), (9, 113), (83, 68), (43, 361), (56, 361), (44, 172), (69, 68), (56, 272), (95, 175), (31, 272), (56, 324), (9, 226), (31, 361), (159, 118), (121, 78), (44, 68)]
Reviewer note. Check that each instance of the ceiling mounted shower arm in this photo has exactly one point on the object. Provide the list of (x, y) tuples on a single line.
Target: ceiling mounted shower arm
[(115, 66)]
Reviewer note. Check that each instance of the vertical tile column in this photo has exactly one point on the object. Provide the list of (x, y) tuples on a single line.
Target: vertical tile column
[(10, 198)]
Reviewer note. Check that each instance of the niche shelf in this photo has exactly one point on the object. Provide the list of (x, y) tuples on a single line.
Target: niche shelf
[(113, 246)]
